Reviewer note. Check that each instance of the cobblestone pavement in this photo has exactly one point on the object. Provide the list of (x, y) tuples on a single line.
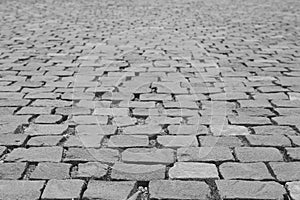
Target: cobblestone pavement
[(191, 99)]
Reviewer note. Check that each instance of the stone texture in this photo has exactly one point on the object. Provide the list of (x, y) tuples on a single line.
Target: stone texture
[(175, 189), (258, 154), (14, 140), (204, 154), (148, 156), (90, 170), (20, 189), (105, 155), (294, 189), (268, 140), (63, 189), (177, 141), (274, 130), (48, 170), (245, 171), (12, 171), (35, 154), (45, 129), (293, 153), (41, 141), (109, 190), (235, 189), (123, 171), (228, 130), (286, 171), (124, 141), (226, 141), (187, 130), (192, 170)]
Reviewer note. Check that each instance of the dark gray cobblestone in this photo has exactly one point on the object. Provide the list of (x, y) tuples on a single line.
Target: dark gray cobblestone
[(191, 99)]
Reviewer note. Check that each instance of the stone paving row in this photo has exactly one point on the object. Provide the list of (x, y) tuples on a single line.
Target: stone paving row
[(192, 99)]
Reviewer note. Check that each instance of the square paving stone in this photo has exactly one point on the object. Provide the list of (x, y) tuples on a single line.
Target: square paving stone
[(12, 171), (274, 130), (63, 189), (294, 189), (228, 130), (258, 154), (91, 170), (46, 129), (124, 171), (175, 189), (204, 154), (104, 155), (268, 140), (246, 171), (286, 171), (187, 130), (84, 141), (193, 170), (35, 154), (148, 156), (250, 190), (293, 153), (177, 141), (124, 141), (109, 190), (48, 170), (14, 140), (225, 141), (40, 141), (20, 189)]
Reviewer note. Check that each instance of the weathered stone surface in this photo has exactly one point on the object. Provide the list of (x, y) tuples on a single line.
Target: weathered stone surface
[(90, 170), (105, 155), (268, 140), (286, 171), (84, 141), (226, 141), (192, 170), (12, 171), (63, 189), (227, 130), (177, 141), (293, 153), (175, 189), (46, 129), (123, 171), (274, 130), (148, 156), (204, 154), (40, 141), (48, 170), (150, 129), (124, 141), (15, 140), (246, 171), (109, 190), (20, 189), (187, 130), (48, 119), (294, 189), (258, 154), (35, 154), (96, 129), (235, 189), (2, 150), (295, 140)]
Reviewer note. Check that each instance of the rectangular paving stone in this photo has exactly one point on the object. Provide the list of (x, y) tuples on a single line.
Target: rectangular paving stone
[(12, 171), (148, 156), (42, 141), (193, 170), (274, 130), (176, 189), (187, 130), (177, 141), (225, 141), (138, 172), (124, 141), (96, 129), (90, 170), (268, 140), (250, 190), (84, 141), (87, 119), (286, 171), (245, 171), (46, 129), (246, 120), (258, 154), (204, 154), (104, 155), (228, 130), (13, 140), (148, 129), (49, 170), (35, 154), (294, 189), (20, 189), (109, 190), (63, 189), (111, 111)]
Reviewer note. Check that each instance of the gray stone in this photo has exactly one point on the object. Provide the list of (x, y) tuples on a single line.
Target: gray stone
[(12, 171), (294, 189), (91, 170), (48, 170), (258, 154)]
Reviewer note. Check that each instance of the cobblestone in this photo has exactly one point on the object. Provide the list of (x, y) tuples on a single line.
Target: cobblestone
[(169, 89)]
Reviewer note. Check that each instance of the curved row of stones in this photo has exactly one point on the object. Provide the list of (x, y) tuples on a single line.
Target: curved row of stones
[(194, 100)]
